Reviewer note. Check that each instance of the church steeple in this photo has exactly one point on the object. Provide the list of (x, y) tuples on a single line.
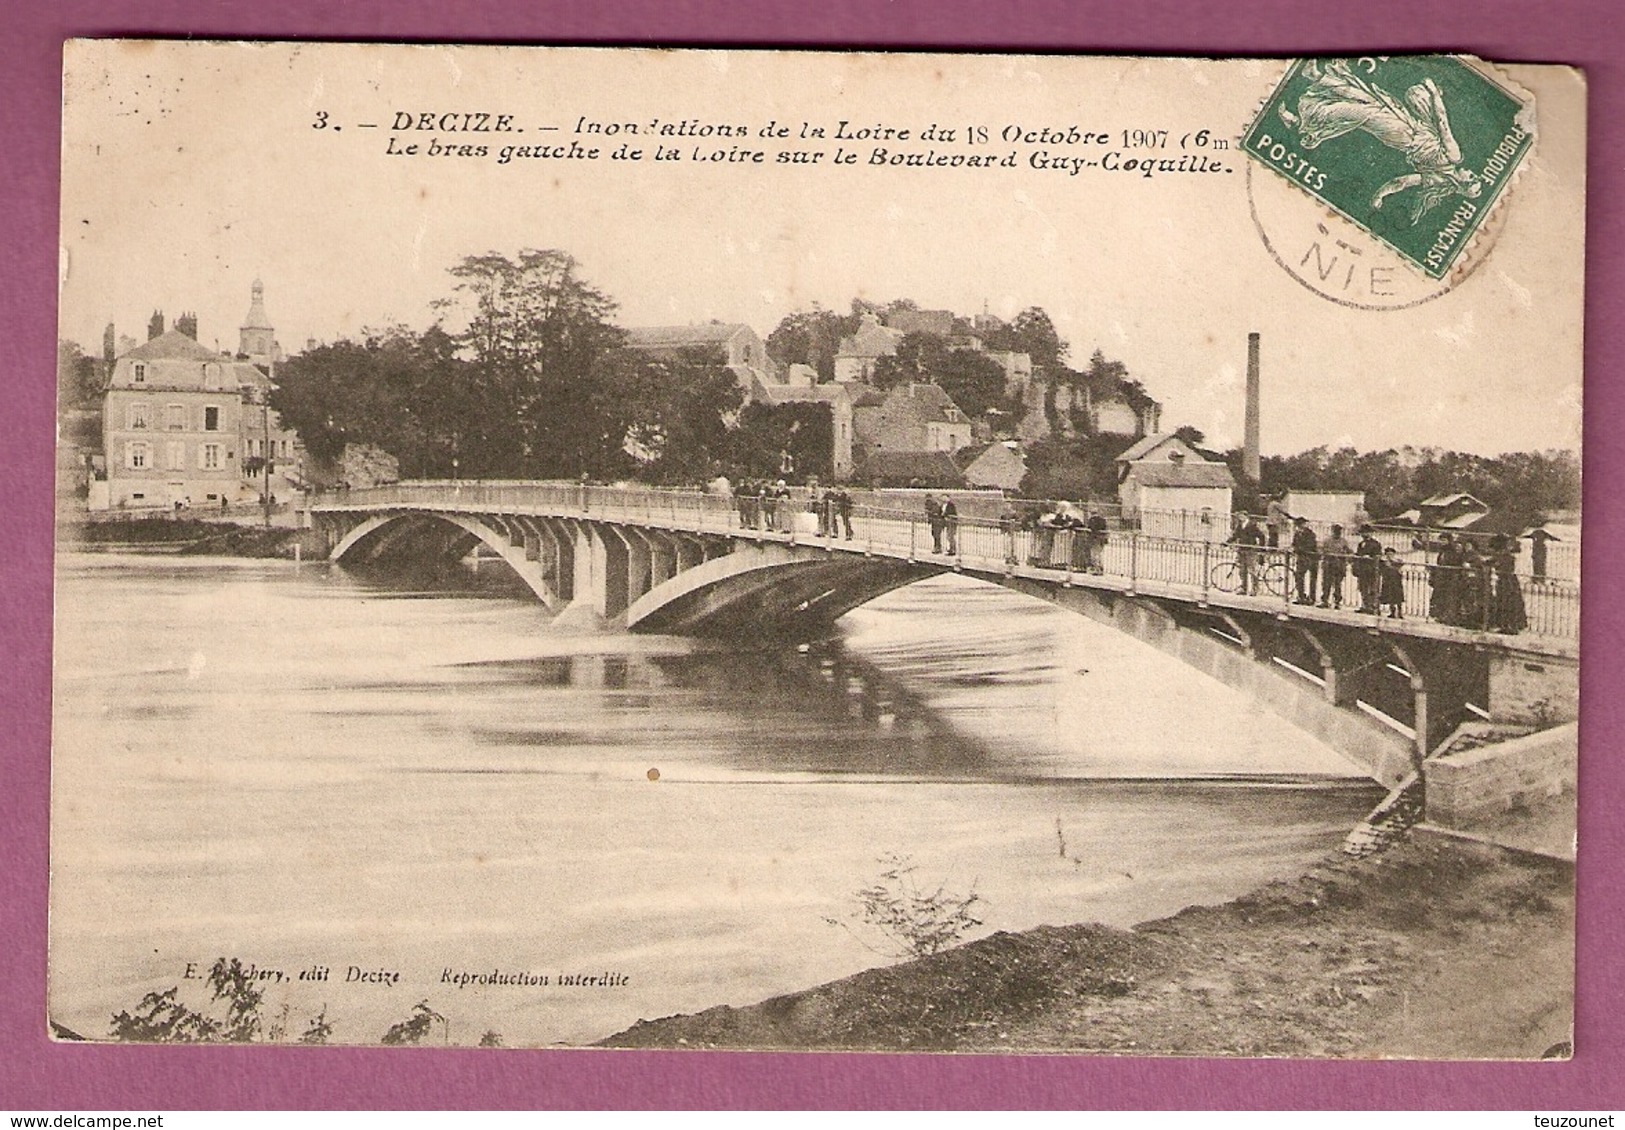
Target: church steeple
[(257, 339)]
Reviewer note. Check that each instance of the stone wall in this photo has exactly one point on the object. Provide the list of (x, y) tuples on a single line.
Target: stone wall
[(1533, 690), (1502, 776)]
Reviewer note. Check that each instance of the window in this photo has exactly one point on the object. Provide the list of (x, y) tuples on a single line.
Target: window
[(175, 417), (175, 456), (284, 444), (211, 418), (136, 456), (138, 417), (209, 457), (211, 374), (140, 371)]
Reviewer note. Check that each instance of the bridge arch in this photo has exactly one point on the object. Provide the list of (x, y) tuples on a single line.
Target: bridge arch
[(768, 587), (377, 534)]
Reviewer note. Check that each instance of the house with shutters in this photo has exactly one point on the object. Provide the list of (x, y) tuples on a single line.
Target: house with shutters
[(183, 425)]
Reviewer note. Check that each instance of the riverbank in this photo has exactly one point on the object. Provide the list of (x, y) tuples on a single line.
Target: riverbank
[(1435, 948), (172, 534)]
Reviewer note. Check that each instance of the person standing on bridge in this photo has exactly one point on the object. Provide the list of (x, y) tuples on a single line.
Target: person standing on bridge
[(1507, 614), (1367, 563), (843, 508), (1098, 537), (1305, 559), (1445, 580), (1334, 564), (1276, 519), (933, 518), (1391, 571), (950, 526), (1248, 540)]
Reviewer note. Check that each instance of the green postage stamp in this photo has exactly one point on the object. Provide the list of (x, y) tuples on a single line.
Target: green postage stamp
[(1413, 149)]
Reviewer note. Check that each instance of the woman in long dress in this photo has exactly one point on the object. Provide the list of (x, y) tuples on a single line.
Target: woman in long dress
[(1507, 614)]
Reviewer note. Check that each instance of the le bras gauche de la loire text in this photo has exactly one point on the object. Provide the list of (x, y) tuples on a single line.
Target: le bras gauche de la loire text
[(1060, 149)]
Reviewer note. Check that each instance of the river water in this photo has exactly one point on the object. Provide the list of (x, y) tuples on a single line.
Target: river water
[(405, 783)]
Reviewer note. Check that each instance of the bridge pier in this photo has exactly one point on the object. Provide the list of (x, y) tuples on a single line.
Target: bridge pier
[(1532, 690)]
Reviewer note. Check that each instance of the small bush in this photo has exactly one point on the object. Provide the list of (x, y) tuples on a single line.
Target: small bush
[(910, 921)]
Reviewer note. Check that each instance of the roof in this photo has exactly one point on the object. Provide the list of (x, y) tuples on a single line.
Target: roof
[(826, 393), (1145, 446), (676, 337), (927, 466), (931, 400), (1452, 499), (871, 340), (173, 345), (1156, 473), (965, 456), (939, 322)]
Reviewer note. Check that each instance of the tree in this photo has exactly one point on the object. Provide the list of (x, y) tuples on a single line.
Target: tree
[(403, 392), (1030, 332), (78, 378), (679, 411), (811, 337), (974, 380), (534, 331), (919, 357), (415, 1027), (803, 430)]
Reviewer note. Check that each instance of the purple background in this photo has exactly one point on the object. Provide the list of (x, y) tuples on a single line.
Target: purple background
[(35, 1074)]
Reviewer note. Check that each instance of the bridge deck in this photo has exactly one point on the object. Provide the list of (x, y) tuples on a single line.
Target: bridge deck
[(1196, 571)]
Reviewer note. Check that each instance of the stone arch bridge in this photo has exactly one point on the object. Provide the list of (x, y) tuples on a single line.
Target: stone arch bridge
[(1384, 692)]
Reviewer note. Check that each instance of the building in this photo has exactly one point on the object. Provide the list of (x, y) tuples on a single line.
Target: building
[(856, 357), (183, 425), (1018, 370), (733, 344), (1458, 511), (839, 399), (1161, 479), (1346, 508), (938, 322), (256, 337), (999, 465), (912, 469), (913, 417)]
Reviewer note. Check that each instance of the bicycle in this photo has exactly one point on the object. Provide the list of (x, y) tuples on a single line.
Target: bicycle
[(1269, 576)]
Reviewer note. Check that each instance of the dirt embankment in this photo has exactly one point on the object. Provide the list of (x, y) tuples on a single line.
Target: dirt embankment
[(1436, 948), (185, 535)]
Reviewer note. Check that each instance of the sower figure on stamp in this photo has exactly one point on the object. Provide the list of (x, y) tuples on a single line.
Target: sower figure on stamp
[(1339, 101)]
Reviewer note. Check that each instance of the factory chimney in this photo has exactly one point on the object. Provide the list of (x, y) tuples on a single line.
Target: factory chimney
[(1249, 453)]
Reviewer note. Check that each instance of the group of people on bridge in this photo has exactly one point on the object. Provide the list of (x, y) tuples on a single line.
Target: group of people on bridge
[(1467, 588)]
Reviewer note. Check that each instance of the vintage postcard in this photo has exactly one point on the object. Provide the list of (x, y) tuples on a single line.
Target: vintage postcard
[(745, 549)]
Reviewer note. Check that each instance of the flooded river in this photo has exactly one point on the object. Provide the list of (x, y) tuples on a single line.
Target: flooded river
[(433, 793)]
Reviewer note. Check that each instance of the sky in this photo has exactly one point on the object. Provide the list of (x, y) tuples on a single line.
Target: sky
[(190, 169)]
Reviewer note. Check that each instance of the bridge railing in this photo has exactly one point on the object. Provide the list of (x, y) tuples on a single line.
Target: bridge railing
[(1412, 586)]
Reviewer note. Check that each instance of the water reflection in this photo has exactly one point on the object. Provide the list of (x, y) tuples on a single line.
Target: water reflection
[(299, 766)]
